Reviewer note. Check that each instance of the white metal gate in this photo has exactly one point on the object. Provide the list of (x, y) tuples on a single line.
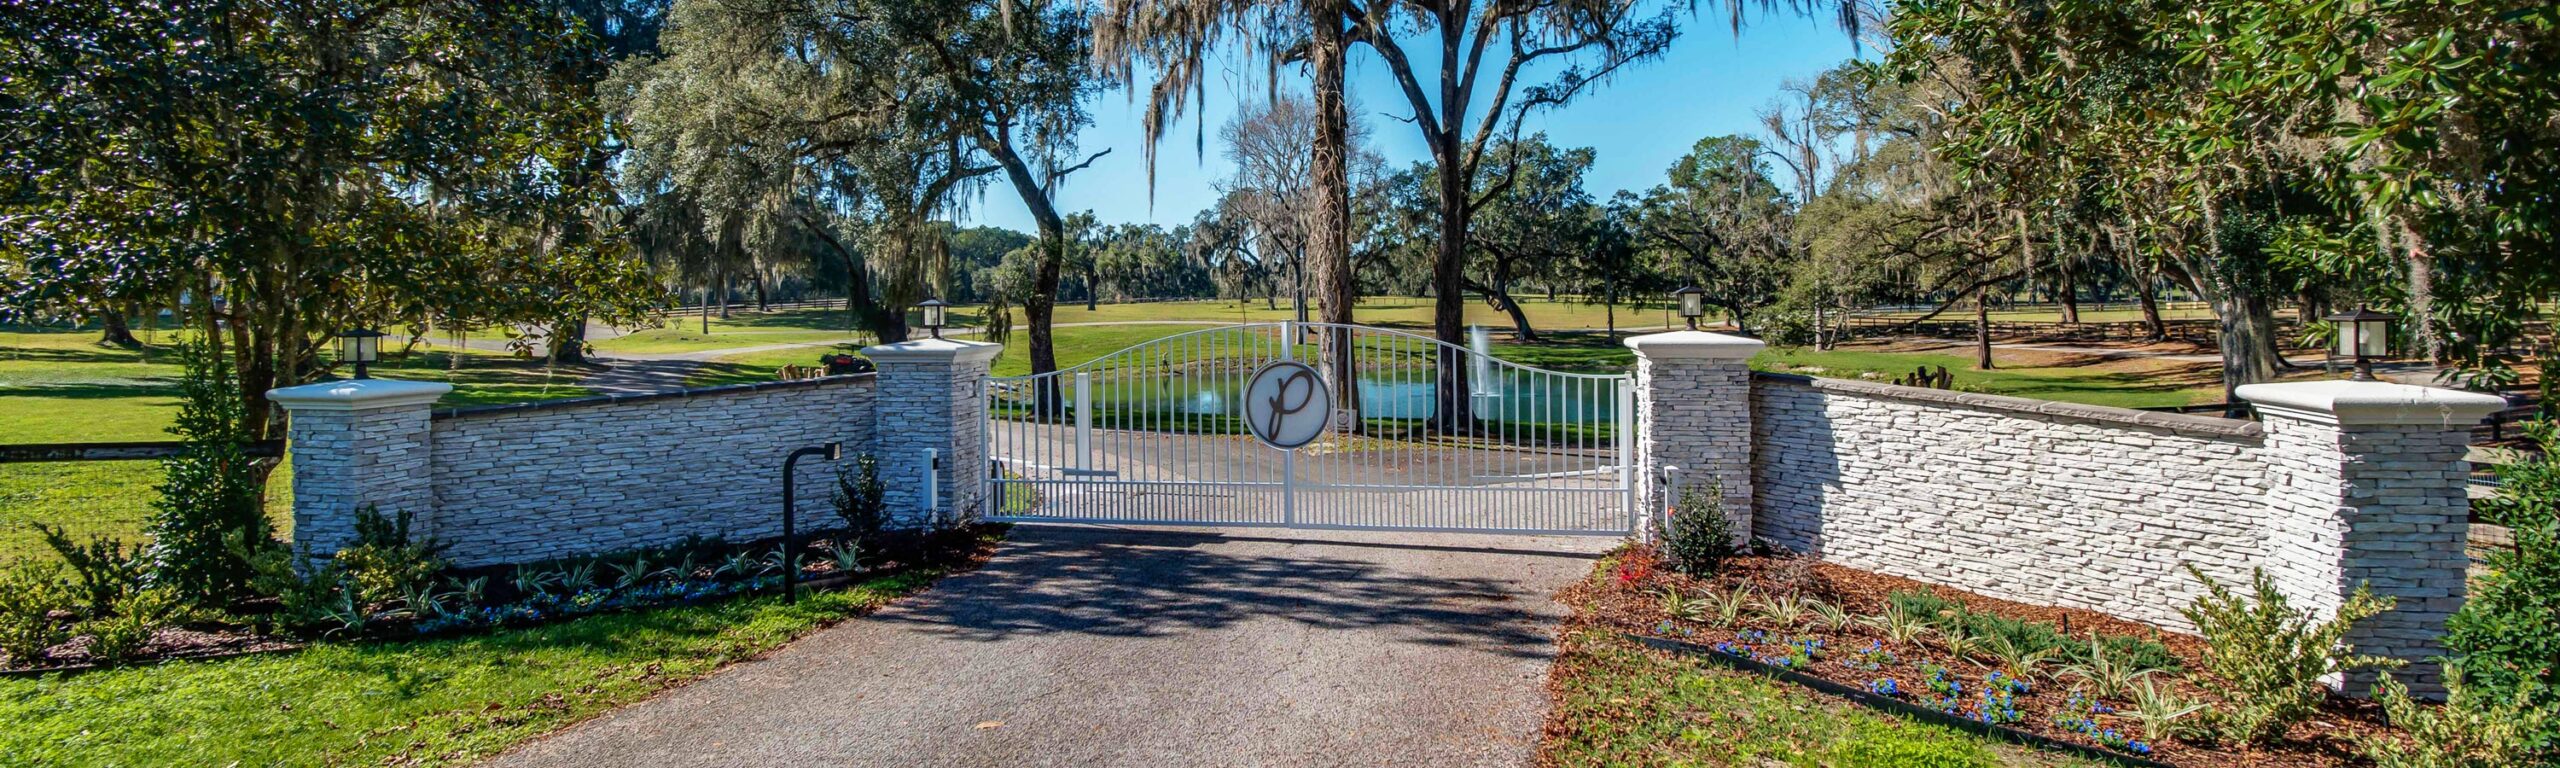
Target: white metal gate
[(1154, 434)]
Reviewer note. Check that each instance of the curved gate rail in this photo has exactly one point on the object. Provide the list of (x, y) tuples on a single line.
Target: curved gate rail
[(1154, 434)]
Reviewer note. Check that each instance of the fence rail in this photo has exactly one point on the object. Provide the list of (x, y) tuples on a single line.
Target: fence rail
[(79, 490), (2189, 330), (31, 452)]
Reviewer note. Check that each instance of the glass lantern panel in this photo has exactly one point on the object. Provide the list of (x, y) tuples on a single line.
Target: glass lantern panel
[(2373, 338)]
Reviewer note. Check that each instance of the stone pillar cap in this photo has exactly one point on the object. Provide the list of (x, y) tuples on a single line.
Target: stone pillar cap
[(932, 351), (357, 394), (2351, 403), (1695, 345)]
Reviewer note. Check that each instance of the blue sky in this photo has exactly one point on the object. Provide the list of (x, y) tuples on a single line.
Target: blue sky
[(1710, 83)]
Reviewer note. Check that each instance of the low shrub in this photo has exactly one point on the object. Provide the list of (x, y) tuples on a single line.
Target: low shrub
[(2505, 641), (386, 563), (30, 593), (2475, 728), (1939, 611), (1698, 538), (2270, 657), (861, 500), (121, 636), (2019, 638), (104, 571), (311, 596)]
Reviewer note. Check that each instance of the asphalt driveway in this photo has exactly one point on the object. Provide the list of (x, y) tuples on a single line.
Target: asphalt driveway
[(1115, 646)]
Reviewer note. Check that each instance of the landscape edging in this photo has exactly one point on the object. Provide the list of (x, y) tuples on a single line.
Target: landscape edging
[(1896, 706)]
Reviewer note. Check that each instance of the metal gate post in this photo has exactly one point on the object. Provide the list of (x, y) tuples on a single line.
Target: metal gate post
[(1084, 420), (1627, 453), (1288, 457)]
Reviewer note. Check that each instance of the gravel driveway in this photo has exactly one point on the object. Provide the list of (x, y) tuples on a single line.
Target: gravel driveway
[(1159, 647)]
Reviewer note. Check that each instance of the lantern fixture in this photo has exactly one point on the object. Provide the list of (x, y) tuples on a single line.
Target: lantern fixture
[(360, 346), (1693, 304), (934, 315), (2361, 335)]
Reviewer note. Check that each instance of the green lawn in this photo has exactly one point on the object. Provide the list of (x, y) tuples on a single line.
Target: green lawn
[(2051, 313), (1074, 346), (61, 386), (440, 702), (2125, 383), (1615, 703)]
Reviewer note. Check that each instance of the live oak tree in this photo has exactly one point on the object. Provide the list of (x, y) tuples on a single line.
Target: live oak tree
[(859, 122), (1174, 39), (1482, 50), (1535, 220), (290, 169), (1720, 223), (2257, 150)]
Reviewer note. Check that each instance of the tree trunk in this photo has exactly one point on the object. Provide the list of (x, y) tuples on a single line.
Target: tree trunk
[(1982, 328), (1609, 304), (1041, 306), (2422, 304), (1519, 319), (2069, 292), (763, 302), (1329, 235), (1092, 290), (114, 330), (569, 341), (2246, 323), (2154, 329), (1453, 413), (1821, 325)]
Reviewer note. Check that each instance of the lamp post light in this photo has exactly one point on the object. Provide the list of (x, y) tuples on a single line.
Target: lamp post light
[(934, 312), (2363, 335), (1693, 304), (790, 537), (361, 346)]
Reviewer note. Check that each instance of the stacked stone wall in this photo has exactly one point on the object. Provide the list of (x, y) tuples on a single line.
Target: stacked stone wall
[(580, 477), (2035, 501)]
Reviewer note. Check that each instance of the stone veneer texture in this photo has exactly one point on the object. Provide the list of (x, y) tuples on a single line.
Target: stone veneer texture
[(580, 478), (2038, 502)]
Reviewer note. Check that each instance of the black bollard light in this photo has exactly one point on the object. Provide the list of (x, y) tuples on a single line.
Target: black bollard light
[(790, 537)]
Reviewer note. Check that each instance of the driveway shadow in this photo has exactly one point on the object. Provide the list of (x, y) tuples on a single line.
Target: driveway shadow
[(1147, 583)]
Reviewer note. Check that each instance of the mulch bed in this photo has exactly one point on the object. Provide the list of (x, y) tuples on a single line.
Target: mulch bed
[(1624, 598)]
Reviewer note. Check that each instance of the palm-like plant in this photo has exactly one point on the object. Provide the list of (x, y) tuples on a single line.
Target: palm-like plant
[(2160, 710), (1828, 616), (1961, 643), (2109, 677), (2016, 658), (1678, 606), (1898, 624), (1725, 609), (1785, 612)]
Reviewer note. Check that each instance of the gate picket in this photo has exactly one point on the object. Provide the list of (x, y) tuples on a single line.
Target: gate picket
[(1156, 434)]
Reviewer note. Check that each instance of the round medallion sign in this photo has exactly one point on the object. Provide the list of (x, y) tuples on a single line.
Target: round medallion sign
[(1286, 404)]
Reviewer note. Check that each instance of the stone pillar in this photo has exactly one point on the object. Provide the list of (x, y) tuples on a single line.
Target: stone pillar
[(929, 430), (2370, 480), (1693, 405), (355, 443)]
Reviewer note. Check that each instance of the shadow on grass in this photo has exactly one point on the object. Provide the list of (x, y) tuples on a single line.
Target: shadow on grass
[(94, 354), (93, 390), (1140, 583)]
